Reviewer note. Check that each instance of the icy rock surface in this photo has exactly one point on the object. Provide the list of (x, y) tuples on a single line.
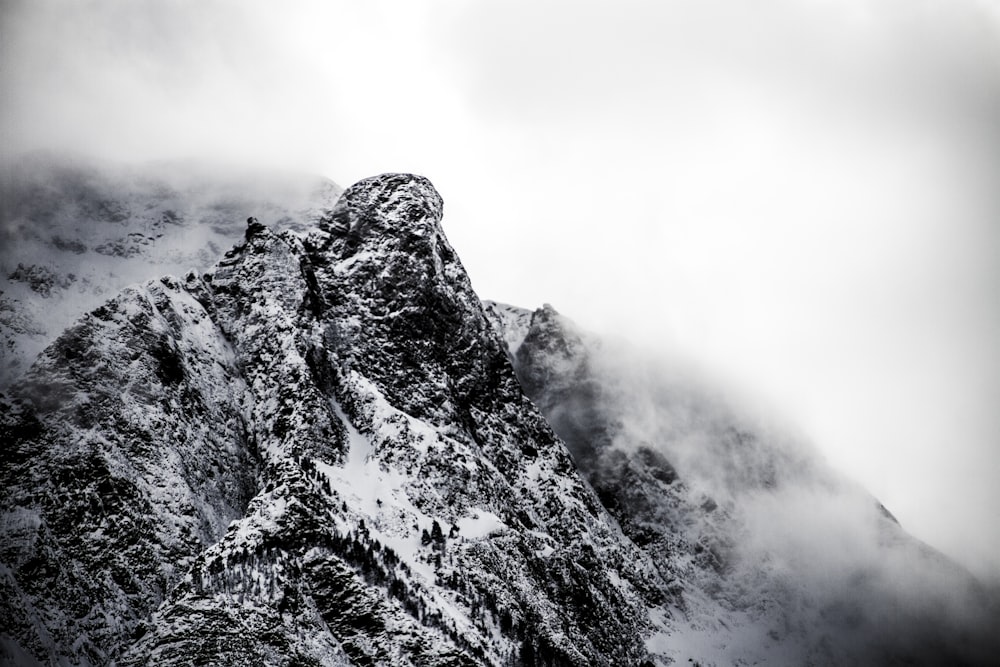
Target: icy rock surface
[(315, 453), (324, 449), (74, 233)]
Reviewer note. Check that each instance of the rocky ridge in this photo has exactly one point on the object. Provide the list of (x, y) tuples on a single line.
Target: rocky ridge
[(333, 427), (74, 233), (325, 450)]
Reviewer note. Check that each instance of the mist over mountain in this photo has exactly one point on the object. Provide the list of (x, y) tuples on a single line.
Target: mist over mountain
[(322, 448), (75, 231), (785, 561)]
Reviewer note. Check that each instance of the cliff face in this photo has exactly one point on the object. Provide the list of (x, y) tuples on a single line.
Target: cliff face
[(325, 450), (317, 453)]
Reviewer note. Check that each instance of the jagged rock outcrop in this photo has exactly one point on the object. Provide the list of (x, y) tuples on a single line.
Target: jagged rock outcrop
[(316, 453), (325, 450), (75, 232)]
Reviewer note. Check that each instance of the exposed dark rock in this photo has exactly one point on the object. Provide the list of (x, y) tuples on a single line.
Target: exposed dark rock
[(181, 402), (319, 453)]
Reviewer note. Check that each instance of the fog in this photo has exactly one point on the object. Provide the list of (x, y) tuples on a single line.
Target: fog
[(805, 566), (800, 196)]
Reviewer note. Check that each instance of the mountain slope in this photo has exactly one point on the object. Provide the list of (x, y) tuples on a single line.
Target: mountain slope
[(394, 496), (780, 560), (73, 233), (325, 450)]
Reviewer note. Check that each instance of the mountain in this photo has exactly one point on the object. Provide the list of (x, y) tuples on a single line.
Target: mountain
[(75, 232), (326, 450), (780, 559)]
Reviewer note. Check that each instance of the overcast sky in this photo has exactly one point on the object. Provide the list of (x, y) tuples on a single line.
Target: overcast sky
[(802, 196)]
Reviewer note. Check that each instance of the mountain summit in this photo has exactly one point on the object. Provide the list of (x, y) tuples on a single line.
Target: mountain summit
[(326, 450), (317, 453)]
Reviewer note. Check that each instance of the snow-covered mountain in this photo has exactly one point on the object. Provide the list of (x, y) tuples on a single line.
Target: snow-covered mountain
[(74, 232), (325, 450)]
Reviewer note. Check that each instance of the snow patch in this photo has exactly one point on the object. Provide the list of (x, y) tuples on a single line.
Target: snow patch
[(481, 524)]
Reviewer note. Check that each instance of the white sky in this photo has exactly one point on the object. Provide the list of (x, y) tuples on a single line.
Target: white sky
[(801, 195)]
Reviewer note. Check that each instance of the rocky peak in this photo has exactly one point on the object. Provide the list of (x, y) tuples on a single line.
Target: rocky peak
[(404, 206), (318, 453), (351, 380), (552, 351), (400, 307)]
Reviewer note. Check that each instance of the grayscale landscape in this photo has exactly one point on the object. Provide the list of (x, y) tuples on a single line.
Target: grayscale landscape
[(735, 403)]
